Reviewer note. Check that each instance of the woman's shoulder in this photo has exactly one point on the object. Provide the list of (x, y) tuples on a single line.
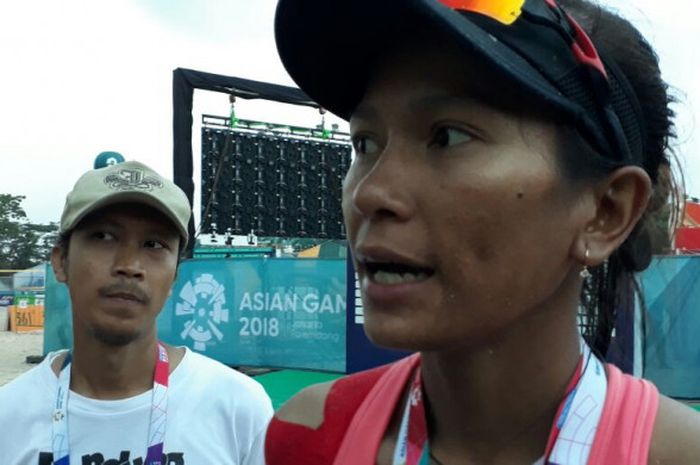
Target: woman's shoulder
[(675, 440), (306, 408), (639, 425), (309, 428), (310, 406)]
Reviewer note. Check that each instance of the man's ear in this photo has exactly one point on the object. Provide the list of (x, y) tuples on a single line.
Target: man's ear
[(59, 264), (621, 200), (177, 269)]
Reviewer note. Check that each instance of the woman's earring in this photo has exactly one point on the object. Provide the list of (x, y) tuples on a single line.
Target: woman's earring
[(584, 273)]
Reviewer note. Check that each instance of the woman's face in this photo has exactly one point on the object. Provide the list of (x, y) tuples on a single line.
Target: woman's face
[(459, 221)]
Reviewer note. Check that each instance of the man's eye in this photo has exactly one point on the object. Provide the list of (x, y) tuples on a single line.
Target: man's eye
[(154, 245), (363, 145), (447, 136), (103, 236)]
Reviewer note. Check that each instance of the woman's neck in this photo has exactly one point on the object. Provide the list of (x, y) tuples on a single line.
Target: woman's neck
[(495, 403)]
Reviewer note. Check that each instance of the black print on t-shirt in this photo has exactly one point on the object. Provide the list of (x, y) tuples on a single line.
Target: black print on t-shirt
[(172, 458)]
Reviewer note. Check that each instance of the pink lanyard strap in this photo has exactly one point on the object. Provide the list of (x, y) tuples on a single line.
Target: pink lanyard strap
[(159, 406), (412, 443)]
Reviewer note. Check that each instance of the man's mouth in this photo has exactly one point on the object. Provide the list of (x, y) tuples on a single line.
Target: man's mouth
[(124, 296), (126, 292)]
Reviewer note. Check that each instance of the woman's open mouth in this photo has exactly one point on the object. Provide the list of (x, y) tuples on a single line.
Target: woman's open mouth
[(396, 273)]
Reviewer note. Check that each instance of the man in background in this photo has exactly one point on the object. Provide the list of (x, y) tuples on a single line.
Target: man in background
[(120, 396)]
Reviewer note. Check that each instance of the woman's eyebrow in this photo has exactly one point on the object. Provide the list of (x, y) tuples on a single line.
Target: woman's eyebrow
[(442, 100), (364, 112)]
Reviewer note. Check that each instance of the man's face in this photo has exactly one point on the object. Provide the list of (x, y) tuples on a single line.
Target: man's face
[(120, 265)]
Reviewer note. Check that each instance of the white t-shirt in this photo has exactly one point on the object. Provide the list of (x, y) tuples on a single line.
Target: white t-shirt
[(216, 416)]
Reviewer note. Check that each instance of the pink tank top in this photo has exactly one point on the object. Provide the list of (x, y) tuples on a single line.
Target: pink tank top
[(626, 426), (623, 435)]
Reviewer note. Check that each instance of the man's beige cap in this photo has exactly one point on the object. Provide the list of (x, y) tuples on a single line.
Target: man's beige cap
[(128, 182)]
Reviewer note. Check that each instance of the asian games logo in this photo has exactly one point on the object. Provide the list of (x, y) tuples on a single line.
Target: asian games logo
[(204, 303)]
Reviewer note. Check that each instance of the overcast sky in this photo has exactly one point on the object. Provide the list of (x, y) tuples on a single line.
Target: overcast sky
[(80, 77)]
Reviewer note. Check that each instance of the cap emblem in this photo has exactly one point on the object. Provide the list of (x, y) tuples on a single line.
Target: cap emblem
[(130, 179)]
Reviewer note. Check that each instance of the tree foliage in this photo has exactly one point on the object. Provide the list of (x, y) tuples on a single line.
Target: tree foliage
[(22, 244)]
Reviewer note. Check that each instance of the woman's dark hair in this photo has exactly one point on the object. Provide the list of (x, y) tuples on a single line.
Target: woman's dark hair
[(612, 282)]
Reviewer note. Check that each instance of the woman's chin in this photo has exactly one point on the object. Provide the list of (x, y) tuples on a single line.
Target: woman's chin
[(401, 338)]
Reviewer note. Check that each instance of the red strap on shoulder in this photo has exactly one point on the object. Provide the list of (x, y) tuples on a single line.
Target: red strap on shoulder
[(627, 423), (366, 431), (293, 444)]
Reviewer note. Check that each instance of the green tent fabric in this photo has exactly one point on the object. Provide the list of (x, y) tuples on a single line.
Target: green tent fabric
[(282, 385)]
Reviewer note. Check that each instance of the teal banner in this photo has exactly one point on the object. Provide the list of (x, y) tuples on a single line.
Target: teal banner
[(286, 313), (58, 328), (672, 325)]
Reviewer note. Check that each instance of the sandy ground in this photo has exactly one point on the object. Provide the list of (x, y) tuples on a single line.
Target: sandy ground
[(14, 349)]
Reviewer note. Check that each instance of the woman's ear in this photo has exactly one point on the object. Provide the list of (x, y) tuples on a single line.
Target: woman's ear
[(59, 265), (620, 201)]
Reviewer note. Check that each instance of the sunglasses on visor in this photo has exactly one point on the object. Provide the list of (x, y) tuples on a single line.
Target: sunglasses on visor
[(508, 11), (549, 14)]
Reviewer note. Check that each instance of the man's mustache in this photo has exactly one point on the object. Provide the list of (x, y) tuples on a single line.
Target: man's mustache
[(125, 290)]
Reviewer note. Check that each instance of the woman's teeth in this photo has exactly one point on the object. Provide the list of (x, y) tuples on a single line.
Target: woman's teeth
[(387, 277)]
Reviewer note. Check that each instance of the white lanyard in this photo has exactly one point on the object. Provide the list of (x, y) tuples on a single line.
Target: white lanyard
[(570, 439), (60, 443)]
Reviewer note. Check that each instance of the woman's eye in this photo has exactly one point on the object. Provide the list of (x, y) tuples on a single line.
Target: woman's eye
[(363, 145), (447, 136)]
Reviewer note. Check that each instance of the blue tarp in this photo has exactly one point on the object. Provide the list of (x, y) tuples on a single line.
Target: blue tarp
[(671, 288)]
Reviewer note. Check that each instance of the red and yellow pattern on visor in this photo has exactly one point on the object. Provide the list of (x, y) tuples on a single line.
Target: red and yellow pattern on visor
[(503, 11)]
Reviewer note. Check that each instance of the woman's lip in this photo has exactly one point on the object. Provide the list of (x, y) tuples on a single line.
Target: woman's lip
[(377, 254), (391, 294)]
